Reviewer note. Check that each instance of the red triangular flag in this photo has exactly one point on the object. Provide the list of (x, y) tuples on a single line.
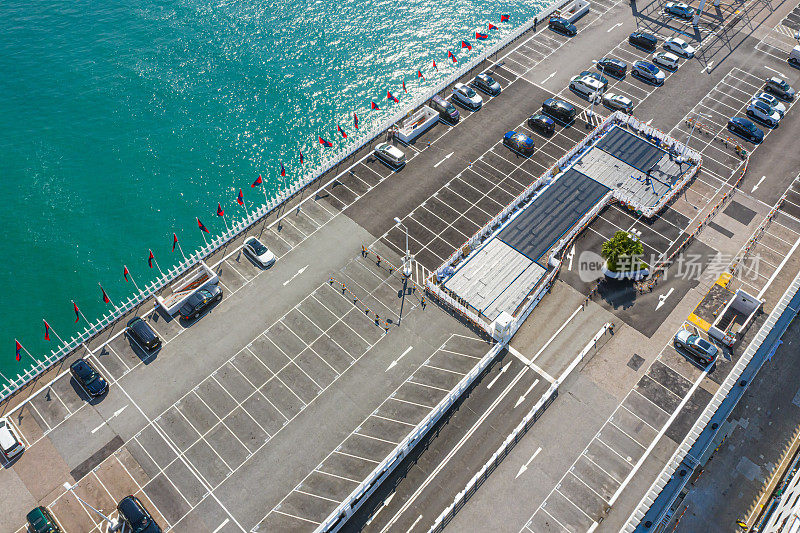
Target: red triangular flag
[(46, 330), (77, 311), (105, 296), (390, 96), (283, 171), (375, 106), (325, 143), (201, 226), (465, 44), (258, 181), (240, 198), (220, 212), (150, 259), (301, 156), (355, 120), (419, 74), (479, 35), (125, 272), (492, 26), (175, 239), (504, 18), (19, 347), (344, 134), (404, 86), (434, 65)]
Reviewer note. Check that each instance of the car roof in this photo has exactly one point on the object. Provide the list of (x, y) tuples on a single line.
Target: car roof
[(7, 439), (458, 85)]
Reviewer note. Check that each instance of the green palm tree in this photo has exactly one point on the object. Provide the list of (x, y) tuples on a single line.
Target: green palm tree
[(623, 252)]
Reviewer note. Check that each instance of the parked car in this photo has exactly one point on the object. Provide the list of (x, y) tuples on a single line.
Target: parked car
[(519, 142), (696, 346), (562, 25), (643, 40), (680, 47), (617, 102), (679, 9), (487, 84), (200, 301), (88, 378), (559, 110), (613, 67), (779, 88), (667, 60), (41, 521), (143, 334), (466, 95), (260, 254), (133, 513), (794, 56), (542, 123), (771, 101), (761, 112), (586, 86), (596, 75), (10, 443), (648, 72), (446, 110), (746, 129)]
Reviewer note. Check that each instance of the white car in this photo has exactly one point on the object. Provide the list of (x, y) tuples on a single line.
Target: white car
[(667, 60), (258, 252), (586, 86), (771, 101), (680, 47), (763, 113), (10, 444), (617, 102), (467, 96)]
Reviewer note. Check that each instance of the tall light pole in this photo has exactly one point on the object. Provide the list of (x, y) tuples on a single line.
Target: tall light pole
[(112, 524), (407, 258), (694, 122)]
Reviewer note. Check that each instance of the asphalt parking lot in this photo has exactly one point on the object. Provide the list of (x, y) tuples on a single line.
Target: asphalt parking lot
[(781, 39)]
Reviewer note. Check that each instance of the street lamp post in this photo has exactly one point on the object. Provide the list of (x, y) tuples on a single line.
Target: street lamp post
[(694, 122), (407, 258), (113, 525)]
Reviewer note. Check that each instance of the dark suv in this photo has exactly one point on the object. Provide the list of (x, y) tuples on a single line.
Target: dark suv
[(41, 521), (645, 41), (446, 110), (200, 301), (559, 110), (88, 378), (612, 66), (143, 334), (133, 513)]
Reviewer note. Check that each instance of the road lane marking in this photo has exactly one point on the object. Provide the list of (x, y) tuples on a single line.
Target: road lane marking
[(759, 183), (382, 507), (708, 67), (394, 363), (548, 77), (502, 371), (618, 24), (773, 70), (414, 524), (543, 348), (522, 398), (443, 160), (524, 467), (288, 281), (116, 413), (223, 524), (662, 298)]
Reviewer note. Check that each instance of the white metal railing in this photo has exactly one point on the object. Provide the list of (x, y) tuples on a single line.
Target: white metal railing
[(358, 140), (721, 393)]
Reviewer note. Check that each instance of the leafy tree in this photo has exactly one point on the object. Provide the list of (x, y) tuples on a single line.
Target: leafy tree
[(623, 253)]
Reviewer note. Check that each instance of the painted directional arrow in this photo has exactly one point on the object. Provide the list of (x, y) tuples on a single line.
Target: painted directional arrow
[(394, 363), (759, 183), (116, 413), (443, 160), (662, 298), (502, 371), (524, 467), (571, 256), (288, 281), (548, 77), (522, 398), (614, 26)]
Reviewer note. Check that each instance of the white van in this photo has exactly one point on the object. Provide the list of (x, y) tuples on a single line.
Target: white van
[(794, 56)]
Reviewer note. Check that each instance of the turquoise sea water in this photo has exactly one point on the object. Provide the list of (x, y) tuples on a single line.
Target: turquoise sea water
[(122, 121)]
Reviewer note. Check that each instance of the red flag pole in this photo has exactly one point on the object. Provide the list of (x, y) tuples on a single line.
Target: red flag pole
[(105, 295), (158, 267), (239, 199), (75, 306), (24, 349), (178, 242), (131, 275), (53, 331), (219, 208)]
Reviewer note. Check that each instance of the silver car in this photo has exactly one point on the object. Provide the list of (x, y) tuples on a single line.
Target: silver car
[(696, 346), (390, 154), (258, 252), (467, 96)]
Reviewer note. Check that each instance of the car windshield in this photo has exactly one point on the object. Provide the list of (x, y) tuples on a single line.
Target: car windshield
[(450, 108), (704, 344), (260, 249), (750, 126), (780, 83)]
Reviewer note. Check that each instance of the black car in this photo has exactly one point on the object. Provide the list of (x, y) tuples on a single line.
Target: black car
[(138, 519), (88, 378), (200, 301), (519, 142), (645, 41), (41, 521), (562, 25), (542, 123), (559, 110), (746, 129), (487, 84), (143, 334), (446, 110), (613, 67)]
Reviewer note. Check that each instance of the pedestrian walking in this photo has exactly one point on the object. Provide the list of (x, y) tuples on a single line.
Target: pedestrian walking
[(535, 21)]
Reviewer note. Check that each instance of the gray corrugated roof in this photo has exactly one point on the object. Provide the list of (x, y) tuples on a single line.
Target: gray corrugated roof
[(559, 207)]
